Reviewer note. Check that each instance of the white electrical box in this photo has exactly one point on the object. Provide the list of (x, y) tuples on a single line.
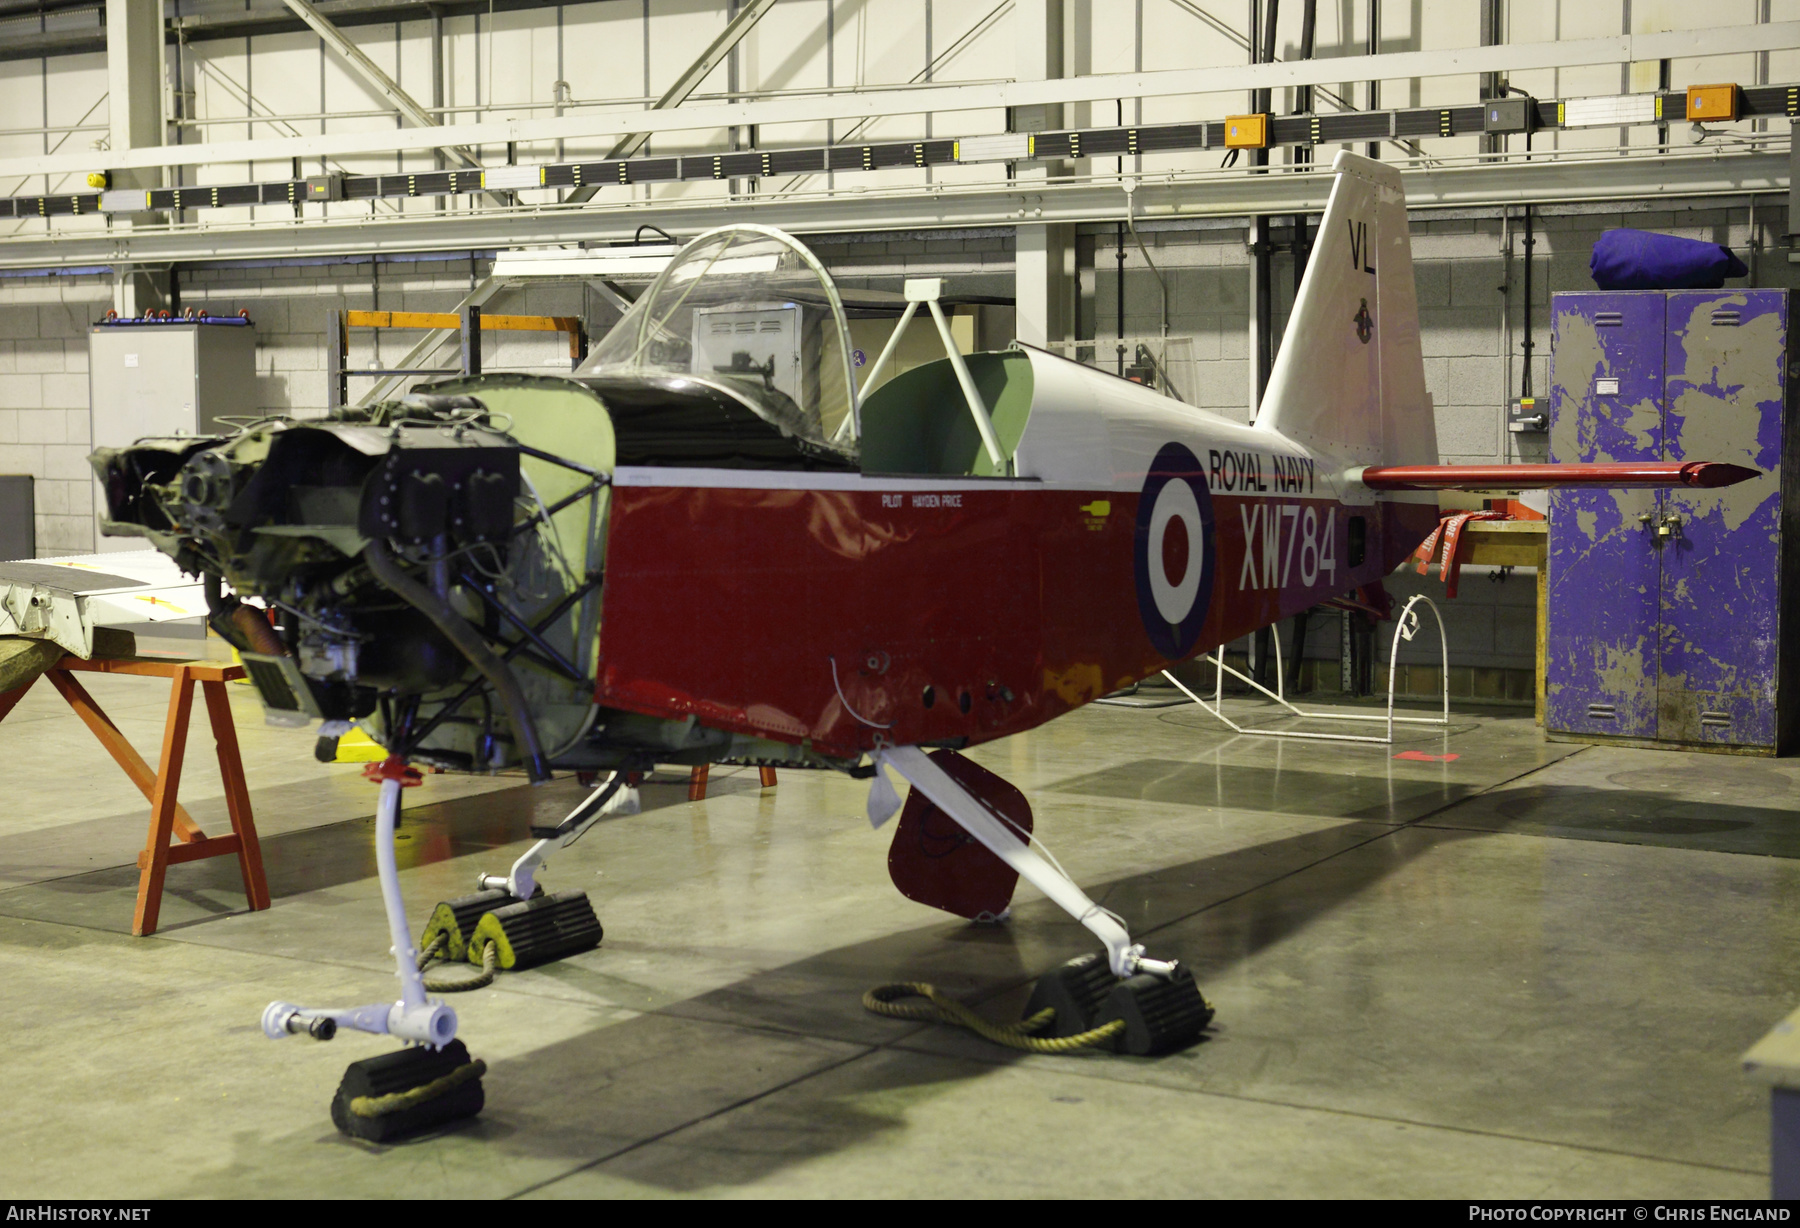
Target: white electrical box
[(760, 341), (166, 378)]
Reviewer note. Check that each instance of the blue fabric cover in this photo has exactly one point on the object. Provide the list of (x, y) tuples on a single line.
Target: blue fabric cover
[(1643, 260)]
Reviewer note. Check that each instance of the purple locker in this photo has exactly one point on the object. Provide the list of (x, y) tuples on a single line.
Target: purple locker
[(1665, 606), (1606, 394), (1726, 361)]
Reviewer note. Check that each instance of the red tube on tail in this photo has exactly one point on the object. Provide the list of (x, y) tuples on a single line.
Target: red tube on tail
[(1539, 477)]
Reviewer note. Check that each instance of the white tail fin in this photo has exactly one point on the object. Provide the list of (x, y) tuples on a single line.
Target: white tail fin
[(1350, 379)]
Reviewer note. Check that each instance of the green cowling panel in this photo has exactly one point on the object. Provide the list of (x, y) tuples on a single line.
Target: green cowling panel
[(564, 418), (918, 422)]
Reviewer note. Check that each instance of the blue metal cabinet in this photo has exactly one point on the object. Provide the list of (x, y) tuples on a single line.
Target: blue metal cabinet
[(1606, 395), (1665, 607)]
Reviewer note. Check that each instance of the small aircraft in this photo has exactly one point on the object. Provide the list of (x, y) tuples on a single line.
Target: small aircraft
[(709, 545)]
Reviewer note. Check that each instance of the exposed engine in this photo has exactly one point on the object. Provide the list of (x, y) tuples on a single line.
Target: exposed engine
[(425, 569), (432, 568)]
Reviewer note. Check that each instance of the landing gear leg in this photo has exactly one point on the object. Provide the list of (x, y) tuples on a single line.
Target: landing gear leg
[(611, 797), (1158, 999), (511, 912)]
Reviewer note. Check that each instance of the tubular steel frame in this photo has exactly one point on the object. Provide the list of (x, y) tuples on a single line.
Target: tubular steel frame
[(1406, 626)]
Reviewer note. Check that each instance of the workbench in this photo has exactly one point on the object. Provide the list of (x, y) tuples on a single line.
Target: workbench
[(168, 818)]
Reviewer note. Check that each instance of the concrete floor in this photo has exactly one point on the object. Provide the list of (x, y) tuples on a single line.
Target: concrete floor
[(1526, 972)]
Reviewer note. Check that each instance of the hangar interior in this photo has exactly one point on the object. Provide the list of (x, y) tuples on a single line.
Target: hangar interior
[(1520, 953)]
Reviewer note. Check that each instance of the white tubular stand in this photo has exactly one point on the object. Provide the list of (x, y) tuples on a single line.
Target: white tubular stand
[(414, 1017), (928, 290), (977, 407), (1406, 627), (1002, 840), (881, 363)]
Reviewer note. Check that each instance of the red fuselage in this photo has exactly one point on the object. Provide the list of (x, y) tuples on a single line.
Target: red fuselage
[(833, 610)]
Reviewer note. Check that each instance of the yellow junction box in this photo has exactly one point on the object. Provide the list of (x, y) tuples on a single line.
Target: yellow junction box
[(1246, 131), (1715, 104)]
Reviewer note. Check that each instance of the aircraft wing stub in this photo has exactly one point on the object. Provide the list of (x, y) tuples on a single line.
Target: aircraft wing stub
[(1538, 477)]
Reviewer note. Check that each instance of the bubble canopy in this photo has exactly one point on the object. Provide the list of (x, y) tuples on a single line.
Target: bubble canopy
[(750, 310)]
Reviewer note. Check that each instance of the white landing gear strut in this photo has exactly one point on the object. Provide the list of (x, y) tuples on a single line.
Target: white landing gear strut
[(1125, 957), (414, 1017), (1145, 1006), (613, 797)]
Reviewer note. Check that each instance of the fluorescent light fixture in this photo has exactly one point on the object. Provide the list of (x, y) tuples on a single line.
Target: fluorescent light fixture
[(124, 200), (513, 177), (608, 262), (763, 262), (1004, 147), (1607, 110)]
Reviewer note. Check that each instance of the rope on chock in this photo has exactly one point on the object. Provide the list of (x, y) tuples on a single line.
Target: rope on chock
[(490, 958), (381, 1106), (885, 1000)]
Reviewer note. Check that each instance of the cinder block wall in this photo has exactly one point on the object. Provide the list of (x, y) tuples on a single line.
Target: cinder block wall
[(1470, 276), (44, 325), (971, 262), (44, 399)]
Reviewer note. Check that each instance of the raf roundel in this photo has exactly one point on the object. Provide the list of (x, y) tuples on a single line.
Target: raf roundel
[(1173, 552)]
